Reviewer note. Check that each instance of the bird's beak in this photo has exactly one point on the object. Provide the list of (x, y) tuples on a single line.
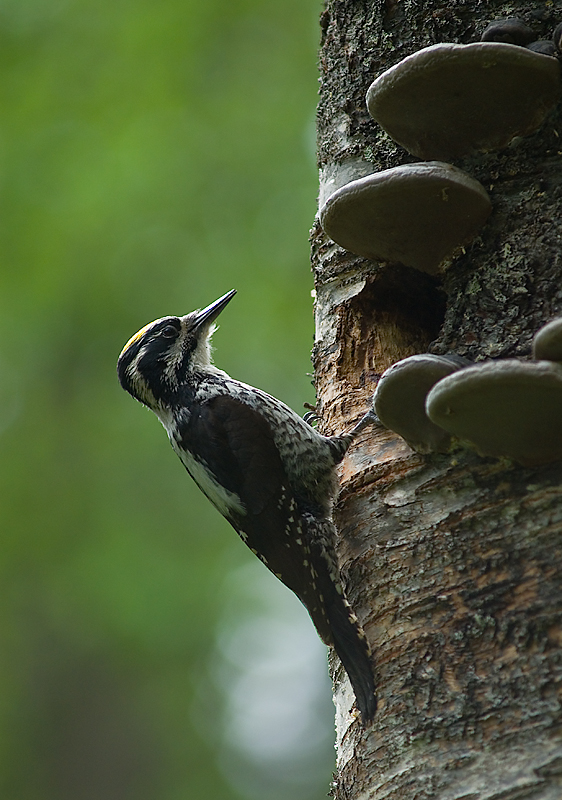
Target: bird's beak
[(209, 314)]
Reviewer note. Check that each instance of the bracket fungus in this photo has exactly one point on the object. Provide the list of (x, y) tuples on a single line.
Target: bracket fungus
[(505, 408), (449, 100), (547, 342), (399, 399), (544, 46), (511, 30), (420, 215)]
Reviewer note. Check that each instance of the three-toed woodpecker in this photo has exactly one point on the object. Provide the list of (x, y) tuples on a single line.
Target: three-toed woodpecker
[(264, 468)]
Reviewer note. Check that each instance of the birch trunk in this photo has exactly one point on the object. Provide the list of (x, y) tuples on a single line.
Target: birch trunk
[(453, 562)]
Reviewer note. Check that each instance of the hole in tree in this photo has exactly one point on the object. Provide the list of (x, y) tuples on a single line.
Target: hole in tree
[(398, 313)]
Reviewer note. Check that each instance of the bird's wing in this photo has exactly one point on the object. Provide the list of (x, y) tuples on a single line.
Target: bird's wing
[(235, 443)]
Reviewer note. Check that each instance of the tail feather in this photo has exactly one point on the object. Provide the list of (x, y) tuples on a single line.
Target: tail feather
[(333, 617), (353, 650)]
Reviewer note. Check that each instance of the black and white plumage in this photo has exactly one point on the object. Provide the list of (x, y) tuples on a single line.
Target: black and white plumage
[(267, 471)]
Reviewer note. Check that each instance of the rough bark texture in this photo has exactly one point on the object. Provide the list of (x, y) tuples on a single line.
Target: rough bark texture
[(454, 562)]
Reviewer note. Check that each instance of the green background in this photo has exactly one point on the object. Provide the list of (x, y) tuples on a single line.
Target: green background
[(154, 156)]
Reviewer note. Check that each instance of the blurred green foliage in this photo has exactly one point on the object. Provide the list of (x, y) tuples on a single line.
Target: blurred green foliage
[(154, 155)]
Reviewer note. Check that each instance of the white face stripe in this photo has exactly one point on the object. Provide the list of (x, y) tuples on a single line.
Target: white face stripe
[(174, 357), (202, 354), (135, 376)]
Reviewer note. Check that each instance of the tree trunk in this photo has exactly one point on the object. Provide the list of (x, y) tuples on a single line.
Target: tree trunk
[(453, 562)]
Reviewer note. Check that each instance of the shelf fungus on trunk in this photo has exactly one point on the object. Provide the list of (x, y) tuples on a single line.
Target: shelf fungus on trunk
[(505, 408), (420, 215), (547, 342), (449, 100), (510, 30), (399, 399), (544, 46), (513, 30)]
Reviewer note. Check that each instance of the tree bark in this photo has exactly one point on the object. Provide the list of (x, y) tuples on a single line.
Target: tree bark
[(453, 562)]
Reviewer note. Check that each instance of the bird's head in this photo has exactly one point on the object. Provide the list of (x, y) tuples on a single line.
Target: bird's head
[(159, 358)]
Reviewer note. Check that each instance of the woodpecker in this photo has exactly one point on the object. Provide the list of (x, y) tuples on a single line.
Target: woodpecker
[(267, 471)]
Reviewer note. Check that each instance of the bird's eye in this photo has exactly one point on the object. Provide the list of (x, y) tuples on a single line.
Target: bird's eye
[(169, 332)]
